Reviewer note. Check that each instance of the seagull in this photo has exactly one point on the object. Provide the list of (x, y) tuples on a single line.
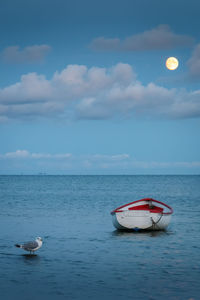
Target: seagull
[(31, 246)]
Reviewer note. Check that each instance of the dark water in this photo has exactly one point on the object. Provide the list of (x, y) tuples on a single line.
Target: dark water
[(83, 257)]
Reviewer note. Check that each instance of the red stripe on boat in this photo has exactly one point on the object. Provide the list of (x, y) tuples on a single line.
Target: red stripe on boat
[(155, 209)]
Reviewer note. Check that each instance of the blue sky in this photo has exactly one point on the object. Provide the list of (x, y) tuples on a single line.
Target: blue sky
[(84, 88)]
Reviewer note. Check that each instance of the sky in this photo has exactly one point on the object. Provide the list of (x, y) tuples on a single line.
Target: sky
[(84, 88)]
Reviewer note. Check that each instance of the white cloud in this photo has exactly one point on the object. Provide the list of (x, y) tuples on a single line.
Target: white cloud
[(136, 100), (29, 54), (25, 161), (31, 88), (94, 93), (16, 154), (160, 37), (117, 157), (21, 154)]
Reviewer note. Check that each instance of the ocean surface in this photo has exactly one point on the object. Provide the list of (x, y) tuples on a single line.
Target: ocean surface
[(83, 256)]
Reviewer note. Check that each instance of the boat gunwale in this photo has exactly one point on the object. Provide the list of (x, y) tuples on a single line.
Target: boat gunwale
[(144, 199)]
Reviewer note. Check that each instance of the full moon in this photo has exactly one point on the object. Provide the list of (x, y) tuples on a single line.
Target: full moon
[(172, 63)]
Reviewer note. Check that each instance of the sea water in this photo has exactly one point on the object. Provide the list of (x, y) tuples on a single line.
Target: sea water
[(83, 256)]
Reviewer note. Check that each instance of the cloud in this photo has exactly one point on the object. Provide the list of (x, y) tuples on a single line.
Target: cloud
[(16, 154), (158, 38), (117, 157), (194, 63), (65, 163), (94, 93), (29, 54), (24, 154), (137, 100)]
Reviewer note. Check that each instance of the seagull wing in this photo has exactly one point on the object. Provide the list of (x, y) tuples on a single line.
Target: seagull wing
[(30, 245)]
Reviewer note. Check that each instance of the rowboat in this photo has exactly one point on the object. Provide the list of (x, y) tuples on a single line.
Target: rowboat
[(144, 214)]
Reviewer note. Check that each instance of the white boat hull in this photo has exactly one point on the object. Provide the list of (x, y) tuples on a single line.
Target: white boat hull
[(130, 217), (144, 221)]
